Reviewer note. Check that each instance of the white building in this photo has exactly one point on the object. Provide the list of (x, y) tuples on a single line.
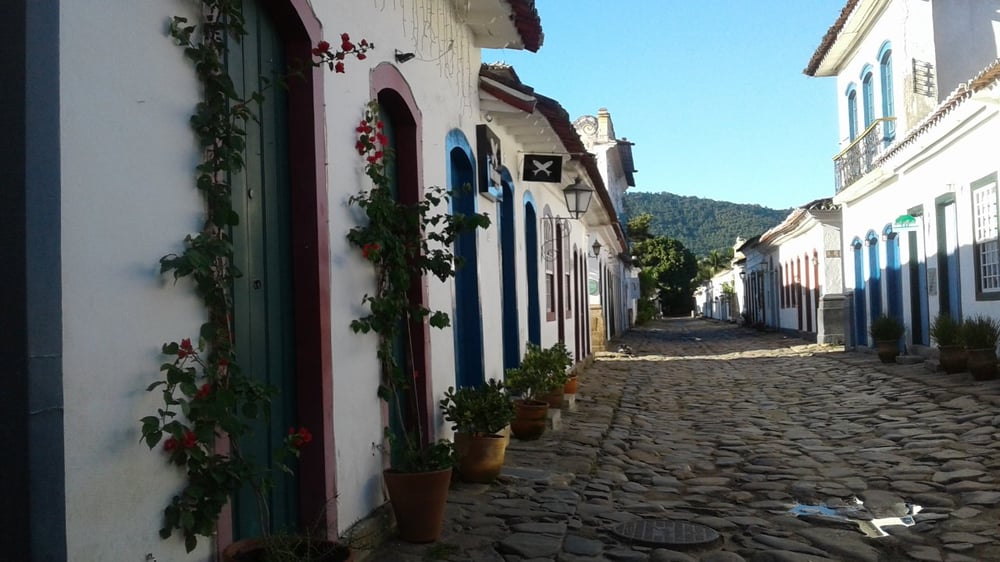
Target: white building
[(916, 179), (792, 274), (617, 294), (99, 184)]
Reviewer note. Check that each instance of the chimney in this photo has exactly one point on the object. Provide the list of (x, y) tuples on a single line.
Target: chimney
[(605, 130)]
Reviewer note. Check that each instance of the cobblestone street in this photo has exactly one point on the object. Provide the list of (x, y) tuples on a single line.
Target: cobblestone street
[(732, 429)]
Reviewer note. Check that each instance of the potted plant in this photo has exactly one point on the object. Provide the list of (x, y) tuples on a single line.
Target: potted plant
[(530, 413), (478, 415), (886, 331), (554, 361), (405, 241), (210, 407), (947, 332), (981, 334)]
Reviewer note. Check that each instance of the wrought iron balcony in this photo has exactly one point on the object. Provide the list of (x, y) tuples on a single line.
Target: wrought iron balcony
[(860, 156)]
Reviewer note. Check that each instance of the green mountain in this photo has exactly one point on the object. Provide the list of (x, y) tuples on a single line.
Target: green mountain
[(702, 225)]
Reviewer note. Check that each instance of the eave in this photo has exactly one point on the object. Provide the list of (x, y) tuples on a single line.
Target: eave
[(540, 124), (855, 20), (502, 24)]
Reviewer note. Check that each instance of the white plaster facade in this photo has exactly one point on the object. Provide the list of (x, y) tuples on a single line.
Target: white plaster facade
[(945, 103), (105, 165)]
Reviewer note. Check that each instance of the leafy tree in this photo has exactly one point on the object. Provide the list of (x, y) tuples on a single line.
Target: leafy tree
[(668, 268), (638, 227)]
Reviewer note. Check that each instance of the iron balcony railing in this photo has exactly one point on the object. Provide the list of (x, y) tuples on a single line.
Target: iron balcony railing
[(860, 156)]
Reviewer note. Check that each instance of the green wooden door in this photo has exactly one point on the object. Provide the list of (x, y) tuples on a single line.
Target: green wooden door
[(263, 319)]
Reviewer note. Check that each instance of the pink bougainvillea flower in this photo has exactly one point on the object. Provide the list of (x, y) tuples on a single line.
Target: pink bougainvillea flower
[(204, 391), (185, 348), (369, 249)]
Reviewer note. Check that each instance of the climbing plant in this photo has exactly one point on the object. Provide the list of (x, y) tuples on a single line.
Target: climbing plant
[(208, 402)]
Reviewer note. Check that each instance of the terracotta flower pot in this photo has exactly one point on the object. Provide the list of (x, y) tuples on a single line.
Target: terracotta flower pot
[(256, 550), (418, 501), (982, 363), (480, 457), (530, 417), (887, 350), (952, 358), (554, 398), (571, 385)]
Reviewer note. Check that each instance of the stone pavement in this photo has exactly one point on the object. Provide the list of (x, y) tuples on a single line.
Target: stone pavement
[(732, 429)]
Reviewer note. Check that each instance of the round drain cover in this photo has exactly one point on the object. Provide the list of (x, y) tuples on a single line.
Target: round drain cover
[(677, 534)]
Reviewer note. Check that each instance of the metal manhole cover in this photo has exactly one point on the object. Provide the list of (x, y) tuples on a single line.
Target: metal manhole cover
[(678, 534)]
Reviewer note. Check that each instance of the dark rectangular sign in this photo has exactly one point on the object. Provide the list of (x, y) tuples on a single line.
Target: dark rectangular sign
[(542, 167)]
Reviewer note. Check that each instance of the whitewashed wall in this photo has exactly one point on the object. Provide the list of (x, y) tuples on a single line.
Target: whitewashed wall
[(128, 198), (444, 82)]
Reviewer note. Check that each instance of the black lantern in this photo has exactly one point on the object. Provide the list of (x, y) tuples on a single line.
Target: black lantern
[(597, 248), (578, 195)]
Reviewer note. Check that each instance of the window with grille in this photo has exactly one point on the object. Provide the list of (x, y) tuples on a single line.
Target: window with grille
[(987, 248), (548, 259)]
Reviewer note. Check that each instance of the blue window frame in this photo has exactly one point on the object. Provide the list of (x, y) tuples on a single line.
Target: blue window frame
[(874, 275), (885, 78), (868, 94), (860, 321), (852, 111)]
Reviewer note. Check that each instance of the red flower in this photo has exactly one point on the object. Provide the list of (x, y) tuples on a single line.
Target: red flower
[(204, 391), (189, 439), (339, 67), (360, 146), (323, 46), (361, 56), (382, 139), (300, 437), (185, 348), (223, 363), (364, 42), (370, 248), (345, 37), (379, 125), (170, 444)]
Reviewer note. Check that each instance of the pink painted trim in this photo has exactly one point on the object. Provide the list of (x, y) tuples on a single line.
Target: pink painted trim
[(385, 80)]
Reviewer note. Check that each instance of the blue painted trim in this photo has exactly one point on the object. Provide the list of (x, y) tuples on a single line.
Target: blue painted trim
[(456, 139), (468, 325), (885, 83), (852, 110), (860, 320), (886, 48), (868, 94), (508, 262), (874, 274), (531, 257)]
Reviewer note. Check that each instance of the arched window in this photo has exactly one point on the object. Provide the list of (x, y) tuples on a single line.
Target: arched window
[(852, 111), (868, 94), (548, 239), (885, 79)]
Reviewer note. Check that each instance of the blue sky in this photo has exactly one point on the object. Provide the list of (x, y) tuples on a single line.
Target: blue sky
[(711, 92)]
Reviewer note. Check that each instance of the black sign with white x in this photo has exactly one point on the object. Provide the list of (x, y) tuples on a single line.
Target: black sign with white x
[(542, 167)]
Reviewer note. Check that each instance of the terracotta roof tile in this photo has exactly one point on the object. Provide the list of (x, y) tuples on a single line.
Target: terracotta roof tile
[(528, 23), (829, 38)]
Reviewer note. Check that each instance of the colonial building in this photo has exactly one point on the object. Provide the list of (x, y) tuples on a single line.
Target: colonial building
[(916, 176), (615, 282)]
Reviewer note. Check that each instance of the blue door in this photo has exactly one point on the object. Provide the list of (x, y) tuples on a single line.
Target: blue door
[(531, 272), (508, 251), (468, 316), (874, 276), (860, 302), (893, 274)]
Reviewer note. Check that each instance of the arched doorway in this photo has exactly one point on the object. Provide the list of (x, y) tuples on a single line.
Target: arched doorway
[(508, 253), (531, 271), (282, 299), (860, 302), (468, 327)]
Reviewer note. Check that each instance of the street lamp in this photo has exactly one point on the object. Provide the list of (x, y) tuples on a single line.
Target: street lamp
[(578, 196), (597, 248)]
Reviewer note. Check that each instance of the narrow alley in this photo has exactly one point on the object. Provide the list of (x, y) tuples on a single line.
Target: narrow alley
[(731, 430)]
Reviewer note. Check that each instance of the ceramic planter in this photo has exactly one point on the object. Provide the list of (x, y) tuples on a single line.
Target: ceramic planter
[(982, 363), (571, 385), (530, 417), (887, 350), (418, 500), (480, 457), (554, 398), (952, 358)]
